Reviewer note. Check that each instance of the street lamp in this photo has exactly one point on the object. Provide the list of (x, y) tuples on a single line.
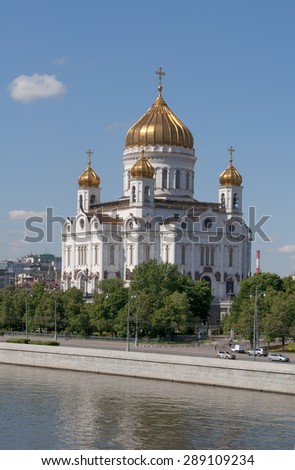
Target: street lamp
[(136, 323), (255, 326), (55, 323), (128, 324), (27, 333)]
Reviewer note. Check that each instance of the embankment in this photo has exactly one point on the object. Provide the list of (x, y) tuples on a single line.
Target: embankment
[(266, 377)]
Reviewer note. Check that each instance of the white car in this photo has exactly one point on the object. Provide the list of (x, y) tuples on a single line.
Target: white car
[(258, 352), (225, 355), (278, 357)]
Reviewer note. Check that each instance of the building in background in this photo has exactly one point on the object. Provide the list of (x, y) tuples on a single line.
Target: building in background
[(44, 268)]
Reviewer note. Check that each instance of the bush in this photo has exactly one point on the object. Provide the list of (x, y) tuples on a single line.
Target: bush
[(29, 341)]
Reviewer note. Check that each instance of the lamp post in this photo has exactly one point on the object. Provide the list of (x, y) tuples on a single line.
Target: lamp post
[(128, 324), (27, 332), (55, 322), (136, 323), (255, 326)]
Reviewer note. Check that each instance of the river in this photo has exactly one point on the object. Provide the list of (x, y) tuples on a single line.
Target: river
[(60, 410)]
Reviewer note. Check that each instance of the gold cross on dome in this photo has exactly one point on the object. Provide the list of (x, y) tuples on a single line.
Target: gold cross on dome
[(160, 72), (89, 153), (231, 151)]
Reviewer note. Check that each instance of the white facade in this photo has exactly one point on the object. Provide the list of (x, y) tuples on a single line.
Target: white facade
[(158, 218)]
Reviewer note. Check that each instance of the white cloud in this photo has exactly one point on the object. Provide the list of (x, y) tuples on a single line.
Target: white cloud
[(27, 88), (20, 214), (287, 249)]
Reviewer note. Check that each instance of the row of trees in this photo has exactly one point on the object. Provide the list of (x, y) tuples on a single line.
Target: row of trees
[(161, 302), (273, 298)]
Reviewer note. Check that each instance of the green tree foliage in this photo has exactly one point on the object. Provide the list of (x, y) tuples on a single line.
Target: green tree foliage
[(107, 304), (275, 303), (154, 285)]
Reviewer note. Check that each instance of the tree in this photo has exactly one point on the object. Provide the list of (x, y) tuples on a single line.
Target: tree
[(262, 289), (174, 317), (112, 297)]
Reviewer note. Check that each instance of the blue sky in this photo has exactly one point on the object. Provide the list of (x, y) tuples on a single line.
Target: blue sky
[(77, 74)]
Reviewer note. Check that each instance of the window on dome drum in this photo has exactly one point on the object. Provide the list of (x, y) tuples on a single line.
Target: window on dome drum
[(187, 180), (236, 202), (177, 179), (222, 201), (164, 179), (81, 201), (147, 194), (112, 254), (92, 199), (133, 194)]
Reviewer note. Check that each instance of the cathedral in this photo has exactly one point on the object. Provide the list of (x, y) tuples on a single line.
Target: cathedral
[(157, 216)]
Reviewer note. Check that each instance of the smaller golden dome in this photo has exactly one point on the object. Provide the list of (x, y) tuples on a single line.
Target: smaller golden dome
[(142, 168), (230, 176), (89, 178)]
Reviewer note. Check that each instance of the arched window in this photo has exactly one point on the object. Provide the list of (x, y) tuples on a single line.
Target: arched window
[(177, 179), (81, 201), (147, 194), (207, 279), (222, 201), (212, 256), (236, 202), (131, 254), (230, 256), (187, 180), (166, 253), (165, 179), (95, 254), (202, 256), (69, 256), (133, 194), (112, 254), (92, 199)]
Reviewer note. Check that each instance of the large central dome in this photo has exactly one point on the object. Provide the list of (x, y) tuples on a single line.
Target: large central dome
[(159, 126)]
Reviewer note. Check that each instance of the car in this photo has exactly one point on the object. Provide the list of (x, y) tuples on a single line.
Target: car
[(278, 357), (239, 348), (225, 355), (258, 352)]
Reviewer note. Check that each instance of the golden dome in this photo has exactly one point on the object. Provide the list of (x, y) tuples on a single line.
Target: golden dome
[(142, 168), (89, 178), (159, 126), (230, 176)]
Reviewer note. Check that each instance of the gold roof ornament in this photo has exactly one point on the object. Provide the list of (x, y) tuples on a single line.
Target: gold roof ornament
[(230, 176), (89, 178), (159, 126), (142, 168)]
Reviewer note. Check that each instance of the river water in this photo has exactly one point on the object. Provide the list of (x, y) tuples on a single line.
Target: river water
[(61, 410)]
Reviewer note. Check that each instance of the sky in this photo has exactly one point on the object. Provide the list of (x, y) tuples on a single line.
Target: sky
[(76, 74)]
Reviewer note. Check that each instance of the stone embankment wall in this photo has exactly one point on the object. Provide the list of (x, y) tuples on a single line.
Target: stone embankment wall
[(263, 376)]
